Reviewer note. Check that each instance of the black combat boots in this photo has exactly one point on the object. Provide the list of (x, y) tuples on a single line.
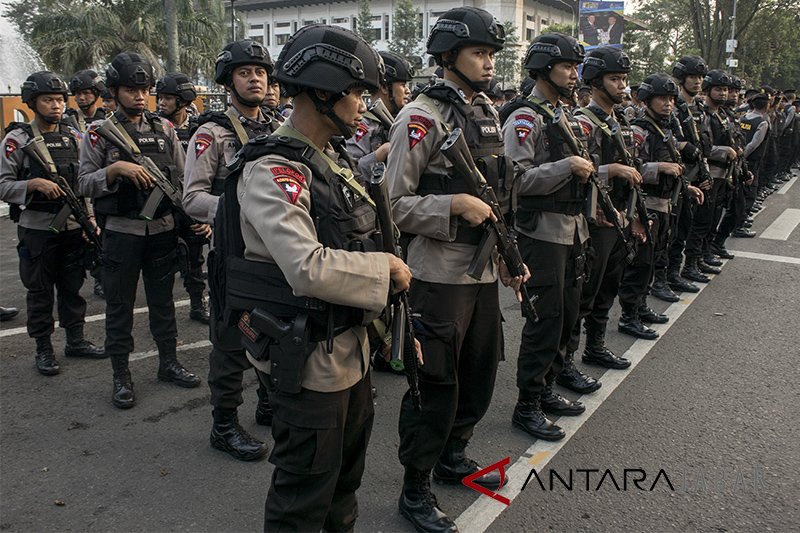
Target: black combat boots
[(198, 308), (646, 314), (263, 409), (630, 324), (122, 395), (170, 370), (661, 289), (596, 352), (720, 250), (78, 346), (419, 506), (453, 466), (575, 380), (691, 271), (677, 283), (555, 404), (46, 362), (528, 416), (228, 436)]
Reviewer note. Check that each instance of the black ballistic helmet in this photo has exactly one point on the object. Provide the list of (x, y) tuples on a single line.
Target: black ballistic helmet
[(177, 84), (397, 68), (465, 26), (328, 58), (238, 53), (129, 69), (86, 79), (737, 83), (550, 48), (43, 82), (604, 60), (688, 66), (716, 78), (657, 85)]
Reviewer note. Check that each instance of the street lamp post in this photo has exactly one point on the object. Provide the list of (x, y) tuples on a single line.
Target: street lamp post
[(233, 22)]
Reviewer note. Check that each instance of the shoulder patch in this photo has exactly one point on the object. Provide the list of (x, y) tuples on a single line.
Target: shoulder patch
[(201, 143), (11, 147), (94, 138), (523, 124), (418, 127), (361, 130), (290, 181), (587, 128), (638, 138)]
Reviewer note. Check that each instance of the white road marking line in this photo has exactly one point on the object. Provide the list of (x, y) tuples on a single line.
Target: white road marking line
[(767, 257), (783, 226), (181, 348), (92, 318), (787, 185), (479, 516)]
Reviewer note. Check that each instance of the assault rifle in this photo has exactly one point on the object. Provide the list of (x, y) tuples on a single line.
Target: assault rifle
[(37, 151), (378, 108), (636, 196), (404, 345), (112, 132), (496, 232), (603, 199)]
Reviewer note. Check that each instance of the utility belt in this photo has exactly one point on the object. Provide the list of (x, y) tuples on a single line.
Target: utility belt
[(570, 199), (663, 189), (444, 184)]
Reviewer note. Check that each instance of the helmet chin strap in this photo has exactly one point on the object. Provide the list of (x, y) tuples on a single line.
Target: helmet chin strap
[(241, 100), (690, 93), (50, 120), (614, 99), (325, 107), (562, 91), (86, 107)]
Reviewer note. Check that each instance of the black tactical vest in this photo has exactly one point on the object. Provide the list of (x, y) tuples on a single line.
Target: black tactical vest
[(749, 128), (63, 148), (128, 201), (659, 151), (342, 221), (570, 199), (221, 119), (484, 137)]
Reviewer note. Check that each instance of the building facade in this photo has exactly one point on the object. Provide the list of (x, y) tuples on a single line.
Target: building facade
[(271, 22)]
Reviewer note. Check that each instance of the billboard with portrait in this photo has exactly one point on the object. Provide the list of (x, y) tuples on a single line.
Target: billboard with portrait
[(601, 24)]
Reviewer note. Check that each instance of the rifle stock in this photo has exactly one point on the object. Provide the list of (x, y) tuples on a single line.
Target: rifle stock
[(378, 108), (404, 345), (456, 151)]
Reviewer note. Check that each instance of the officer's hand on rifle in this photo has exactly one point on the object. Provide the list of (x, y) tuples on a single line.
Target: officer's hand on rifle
[(602, 221), (750, 179), (672, 169), (140, 178), (580, 167), (514, 282), (706, 185), (204, 230), (731, 153), (49, 189), (618, 170), (697, 194), (638, 231), (399, 273), (382, 152), (470, 208), (96, 230)]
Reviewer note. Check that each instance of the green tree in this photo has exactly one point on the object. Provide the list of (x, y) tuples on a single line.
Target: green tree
[(70, 35), (565, 28), (364, 24), (405, 31), (507, 62), (171, 23)]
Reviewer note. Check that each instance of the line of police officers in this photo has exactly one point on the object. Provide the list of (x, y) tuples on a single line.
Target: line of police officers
[(294, 268)]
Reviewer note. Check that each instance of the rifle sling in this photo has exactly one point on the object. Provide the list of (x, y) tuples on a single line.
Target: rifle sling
[(48, 159)]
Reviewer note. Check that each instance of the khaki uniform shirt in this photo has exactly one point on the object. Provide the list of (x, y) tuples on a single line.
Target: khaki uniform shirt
[(524, 136), (211, 148), (97, 155), (416, 136), (362, 146), (277, 227), (13, 162)]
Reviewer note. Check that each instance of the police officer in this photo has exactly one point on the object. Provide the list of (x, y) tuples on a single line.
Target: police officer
[(370, 143), (48, 260), (272, 101), (244, 68), (460, 324), (661, 171), (552, 229), (132, 245), (86, 87), (174, 93), (304, 222), (755, 126), (605, 70)]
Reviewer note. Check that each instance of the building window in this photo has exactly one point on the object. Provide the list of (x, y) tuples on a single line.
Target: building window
[(340, 20), (256, 26), (545, 23), (419, 25), (376, 18), (281, 39), (309, 22), (386, 27), (373, 34), (282, 24), (529, 34), (531, 18), (258, 38), (267, 34), (294, 26)]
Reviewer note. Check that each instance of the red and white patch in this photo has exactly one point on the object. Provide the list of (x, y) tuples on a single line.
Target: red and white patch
[(523, 125), (94, 138), (11, 147), (290, 181), (587, 128), (638, 138), (201, 143), (361, 130), (418, 127)]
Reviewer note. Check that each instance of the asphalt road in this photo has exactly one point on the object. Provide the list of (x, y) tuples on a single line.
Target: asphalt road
[(711, 404)]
